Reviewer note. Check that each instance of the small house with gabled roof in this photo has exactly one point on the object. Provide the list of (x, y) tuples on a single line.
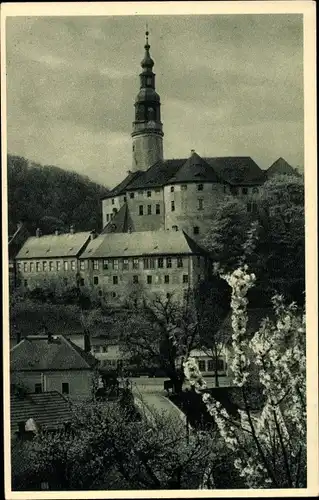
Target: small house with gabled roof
[(45, 363)]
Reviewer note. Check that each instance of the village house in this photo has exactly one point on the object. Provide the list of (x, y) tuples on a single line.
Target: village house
[(48, 363)]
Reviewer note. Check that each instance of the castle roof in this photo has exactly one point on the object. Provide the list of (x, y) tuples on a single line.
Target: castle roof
[(121, 222), (141, 243), (52, 245), (234, 170), (280, 167), (49, 410), (37, 352)]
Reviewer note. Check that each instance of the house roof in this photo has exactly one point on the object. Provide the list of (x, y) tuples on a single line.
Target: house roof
[(61, 245), (121, 222), (35, 353), (231, 169), (49, 410), (141, 243), (280, 167)]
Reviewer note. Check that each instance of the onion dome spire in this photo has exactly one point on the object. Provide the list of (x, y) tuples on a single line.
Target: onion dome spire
[(147, 63)]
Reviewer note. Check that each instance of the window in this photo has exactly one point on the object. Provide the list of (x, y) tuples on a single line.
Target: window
[(141, 193), (168, 262), (202, 365), (175, 228), (115, 264), (252, 207), (65, 388), (51, 265), (31, 267), (65, 265), (173, 206), (25, 267), (166, 279), (140, 210), (152, 263), (115, 280), (58, 265), (95, 265), (220, 365), (184, 187), (172, 189), (125, 264), (179, 261), (149, 280), (158, 209), (107, 217), (132, 195), (81, 281), (200, 187), (168, 295), (200, 203), (19, 266), (146, 264), (255, 190), (113, 295), (37, 388), (196, 230), (135, 264), (112, 201), (45, 265), (135, 280), (149, 194), (37, 266), (73, 266), (95, 280), (185, 278), (244, 190), (160, 262), (149, 209)]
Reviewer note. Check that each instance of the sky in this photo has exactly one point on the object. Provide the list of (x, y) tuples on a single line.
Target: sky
[(230, 85)]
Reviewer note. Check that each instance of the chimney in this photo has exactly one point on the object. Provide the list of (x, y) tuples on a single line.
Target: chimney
[(192, 151), (38, 232), (72, 230), (93, 234), (87, 342)]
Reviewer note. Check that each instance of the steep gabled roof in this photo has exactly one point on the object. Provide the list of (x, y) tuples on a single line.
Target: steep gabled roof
[(158, 174), (123, 186), (280, 167), (237, 170), (195, 169), (52, 245), (36, 352), (49, 410), (121, 222), (141, 243)]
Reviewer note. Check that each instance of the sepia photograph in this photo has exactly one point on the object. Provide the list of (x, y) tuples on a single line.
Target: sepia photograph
[(159, 194)]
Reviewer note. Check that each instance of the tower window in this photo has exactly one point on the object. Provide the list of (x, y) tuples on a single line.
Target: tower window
[(149, 209), (173, 206), (196, 230), (172, 189), (149, 280), (200, 204), (200, 187), (158, 209), (140, 210), (115, 280), (132, 195), (149, 194), (244, 190)]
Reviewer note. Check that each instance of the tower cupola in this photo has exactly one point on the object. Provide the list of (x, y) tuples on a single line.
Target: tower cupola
[(147, 131)]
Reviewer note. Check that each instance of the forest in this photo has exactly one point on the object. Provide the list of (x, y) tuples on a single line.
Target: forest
[(51, 198)]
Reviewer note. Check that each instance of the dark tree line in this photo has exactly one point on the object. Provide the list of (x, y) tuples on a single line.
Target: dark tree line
[(51, 198)]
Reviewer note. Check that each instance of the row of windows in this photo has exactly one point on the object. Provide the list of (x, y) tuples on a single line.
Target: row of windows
[(209, 365), (149, 209), (140, 193), (136, 279), (47, 266), (126, 264)]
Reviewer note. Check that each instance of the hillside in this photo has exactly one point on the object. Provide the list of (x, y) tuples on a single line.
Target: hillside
[(51, 198)]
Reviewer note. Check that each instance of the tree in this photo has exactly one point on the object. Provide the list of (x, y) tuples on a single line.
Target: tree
[(160, 333), (268, 447), (103, 448)]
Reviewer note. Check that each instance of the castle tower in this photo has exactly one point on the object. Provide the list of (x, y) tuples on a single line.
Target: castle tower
[(147, 131)]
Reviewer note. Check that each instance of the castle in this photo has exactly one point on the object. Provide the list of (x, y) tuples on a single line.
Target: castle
[(153, 221)]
